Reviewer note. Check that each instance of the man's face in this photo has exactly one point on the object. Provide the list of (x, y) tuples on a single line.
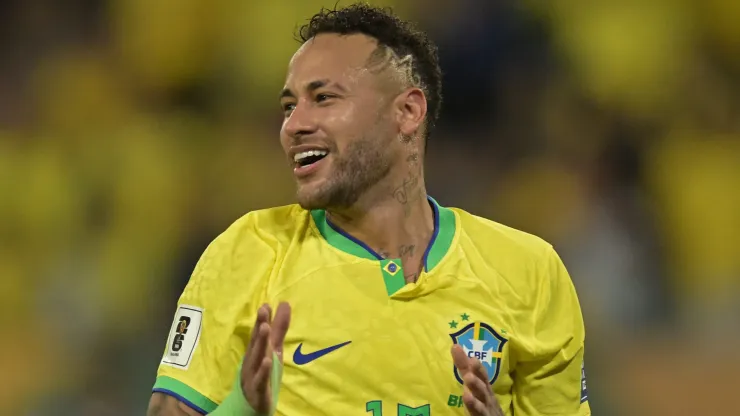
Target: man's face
[(338, 131)]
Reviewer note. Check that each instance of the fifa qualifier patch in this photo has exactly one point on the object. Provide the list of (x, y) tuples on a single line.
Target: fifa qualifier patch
[(584, 390), (184, 337), (479, 340)]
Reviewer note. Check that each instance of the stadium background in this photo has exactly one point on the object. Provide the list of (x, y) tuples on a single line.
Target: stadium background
[(133, 131)]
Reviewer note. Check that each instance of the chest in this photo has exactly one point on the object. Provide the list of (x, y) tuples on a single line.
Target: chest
[(355, 349)]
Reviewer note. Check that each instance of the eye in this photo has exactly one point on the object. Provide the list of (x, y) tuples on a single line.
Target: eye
[(288, 107), (323, 97)]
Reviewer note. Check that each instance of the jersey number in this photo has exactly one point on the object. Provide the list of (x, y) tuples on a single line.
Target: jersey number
[(376, 408)]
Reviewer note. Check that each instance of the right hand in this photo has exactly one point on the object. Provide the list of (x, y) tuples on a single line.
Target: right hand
[(477, 393), (268, 335)]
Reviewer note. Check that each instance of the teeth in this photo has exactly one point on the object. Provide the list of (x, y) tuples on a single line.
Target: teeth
[(300, 156)]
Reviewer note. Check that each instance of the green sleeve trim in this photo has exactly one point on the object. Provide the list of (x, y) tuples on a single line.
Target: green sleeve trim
[(187, 394)]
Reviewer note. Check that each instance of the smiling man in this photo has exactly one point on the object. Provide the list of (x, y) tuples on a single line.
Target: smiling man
[(389, 302)]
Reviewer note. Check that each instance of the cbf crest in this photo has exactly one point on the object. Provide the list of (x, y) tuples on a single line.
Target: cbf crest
[(479, 340)]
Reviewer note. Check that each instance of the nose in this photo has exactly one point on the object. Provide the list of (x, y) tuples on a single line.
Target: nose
[(300, 122)]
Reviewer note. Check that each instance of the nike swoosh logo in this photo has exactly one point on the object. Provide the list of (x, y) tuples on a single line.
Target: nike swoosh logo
[(301, 358)]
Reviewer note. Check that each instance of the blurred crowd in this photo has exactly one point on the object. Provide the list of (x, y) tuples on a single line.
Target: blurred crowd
[(132, 132)]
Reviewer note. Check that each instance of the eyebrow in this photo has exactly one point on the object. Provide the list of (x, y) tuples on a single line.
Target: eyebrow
[(313, 86)]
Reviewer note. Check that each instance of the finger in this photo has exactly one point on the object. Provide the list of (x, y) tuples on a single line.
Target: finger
[(479, 370), (263, 315), (269, 311), (477, 387), (259, 349), (261, 385), (280, 325), (461, 360), (475, 407), (262, 375)]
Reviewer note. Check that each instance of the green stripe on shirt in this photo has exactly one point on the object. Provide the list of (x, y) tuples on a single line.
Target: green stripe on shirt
[(188, 393)]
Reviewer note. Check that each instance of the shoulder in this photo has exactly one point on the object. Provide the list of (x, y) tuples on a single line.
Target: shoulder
[(511, 259), (261, 229), (504, 240), (247, 250), (275, 223)]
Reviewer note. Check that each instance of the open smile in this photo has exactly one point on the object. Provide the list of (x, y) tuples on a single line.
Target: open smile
[(308, 162)]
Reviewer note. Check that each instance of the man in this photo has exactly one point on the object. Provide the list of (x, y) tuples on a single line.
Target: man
[(397, 304)]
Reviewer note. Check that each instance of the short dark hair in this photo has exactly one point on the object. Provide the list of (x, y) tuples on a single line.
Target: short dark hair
[(401, 36)]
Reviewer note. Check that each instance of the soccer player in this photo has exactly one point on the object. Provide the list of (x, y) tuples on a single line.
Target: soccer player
[(385, 301)]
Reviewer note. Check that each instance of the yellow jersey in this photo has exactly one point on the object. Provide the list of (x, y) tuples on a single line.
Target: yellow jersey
[(362, 340)]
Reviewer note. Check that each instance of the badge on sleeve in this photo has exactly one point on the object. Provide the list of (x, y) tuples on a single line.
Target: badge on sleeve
[(584, 391), (183, 337)]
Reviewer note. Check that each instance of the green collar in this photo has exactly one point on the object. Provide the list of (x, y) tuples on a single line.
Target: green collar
[(444, 231)]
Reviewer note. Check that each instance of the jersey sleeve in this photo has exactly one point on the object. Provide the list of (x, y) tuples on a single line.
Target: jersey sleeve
[(214, 318), (550, 375)]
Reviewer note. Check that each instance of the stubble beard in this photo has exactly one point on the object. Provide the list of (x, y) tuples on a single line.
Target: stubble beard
[(363, 164)]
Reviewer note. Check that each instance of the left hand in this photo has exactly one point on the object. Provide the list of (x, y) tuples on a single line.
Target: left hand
[(477, 393)]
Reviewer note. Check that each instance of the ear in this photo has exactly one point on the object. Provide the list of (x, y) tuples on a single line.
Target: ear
[(411, 109)]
